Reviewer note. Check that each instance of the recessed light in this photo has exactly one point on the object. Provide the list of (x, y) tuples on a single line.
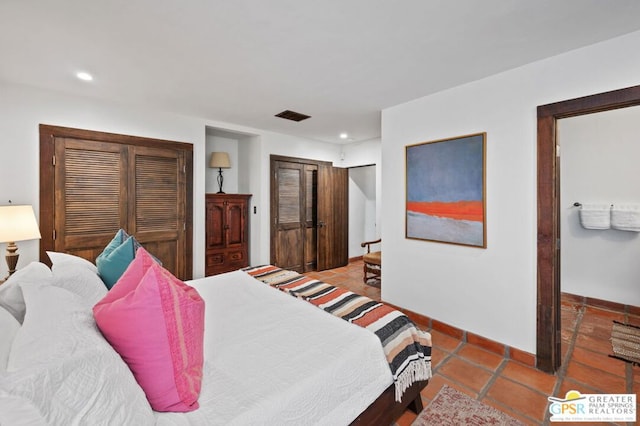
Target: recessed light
[(343, 135), (84, 76)]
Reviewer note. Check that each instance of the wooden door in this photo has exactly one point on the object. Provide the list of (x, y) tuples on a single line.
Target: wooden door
[(333, 217), (303, 238), (156, 200), (94, 183), (288, 230), (91, 203)]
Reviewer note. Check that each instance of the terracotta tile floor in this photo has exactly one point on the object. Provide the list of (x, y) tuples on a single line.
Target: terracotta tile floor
[(512, 387)]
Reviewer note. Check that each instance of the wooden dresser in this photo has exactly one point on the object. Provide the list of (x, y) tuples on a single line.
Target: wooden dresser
[(227, 232)]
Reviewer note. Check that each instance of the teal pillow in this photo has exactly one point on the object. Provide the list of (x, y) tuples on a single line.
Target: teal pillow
[(120, 237), (114, 260)]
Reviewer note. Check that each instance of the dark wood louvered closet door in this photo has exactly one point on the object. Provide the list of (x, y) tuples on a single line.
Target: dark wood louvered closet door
[(289, 248), (156, 201), (90, 202), (94, 183)]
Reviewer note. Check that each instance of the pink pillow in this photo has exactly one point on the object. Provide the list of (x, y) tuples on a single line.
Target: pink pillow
[(156, 323)]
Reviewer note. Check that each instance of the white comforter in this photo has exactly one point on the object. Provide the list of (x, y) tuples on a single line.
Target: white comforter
[(274, 360)]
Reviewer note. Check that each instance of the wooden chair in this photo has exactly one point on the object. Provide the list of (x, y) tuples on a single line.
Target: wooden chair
[(372, 264)]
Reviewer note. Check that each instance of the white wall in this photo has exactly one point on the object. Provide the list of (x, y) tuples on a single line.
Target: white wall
[(215, 143), (23, 108), (599, 162), (492, 291)]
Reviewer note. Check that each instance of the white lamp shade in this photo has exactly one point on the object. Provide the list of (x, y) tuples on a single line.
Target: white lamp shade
[(18, 223), (220, 160)]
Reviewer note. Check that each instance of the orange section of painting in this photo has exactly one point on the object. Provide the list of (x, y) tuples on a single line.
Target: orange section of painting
[(461, 210)]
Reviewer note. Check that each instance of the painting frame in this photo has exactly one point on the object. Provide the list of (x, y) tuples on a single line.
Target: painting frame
[(445, 197)]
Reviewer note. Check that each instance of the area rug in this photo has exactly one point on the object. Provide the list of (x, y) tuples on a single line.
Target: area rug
[(450, 407), (625, 341)]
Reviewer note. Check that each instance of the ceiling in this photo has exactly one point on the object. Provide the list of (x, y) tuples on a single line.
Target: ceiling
[(243, 61)]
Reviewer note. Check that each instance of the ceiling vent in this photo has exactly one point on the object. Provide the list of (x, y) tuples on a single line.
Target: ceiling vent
[(292, 115)]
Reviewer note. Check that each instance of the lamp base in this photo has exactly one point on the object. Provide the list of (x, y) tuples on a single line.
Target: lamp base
[(12, 257), (220, 181)]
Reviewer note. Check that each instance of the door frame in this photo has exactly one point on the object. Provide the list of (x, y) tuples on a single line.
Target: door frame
[(548, 349)]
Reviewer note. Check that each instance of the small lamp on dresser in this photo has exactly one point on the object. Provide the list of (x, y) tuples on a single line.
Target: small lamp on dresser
[(220, 160), (17, 223)]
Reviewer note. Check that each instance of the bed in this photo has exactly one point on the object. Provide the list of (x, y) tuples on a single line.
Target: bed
[(269, 358)]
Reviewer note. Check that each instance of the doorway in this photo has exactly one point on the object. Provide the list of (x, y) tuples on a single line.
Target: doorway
[(363, 222), (598, 167), (548, 344)]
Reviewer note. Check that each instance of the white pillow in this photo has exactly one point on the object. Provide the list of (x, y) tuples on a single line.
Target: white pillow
[(61, 363), (10, 292), (57, 325), (58, 258), (8, 328), (79, 280)]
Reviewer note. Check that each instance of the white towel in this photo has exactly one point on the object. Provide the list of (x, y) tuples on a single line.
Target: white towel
[(595, 216), (625, 217)]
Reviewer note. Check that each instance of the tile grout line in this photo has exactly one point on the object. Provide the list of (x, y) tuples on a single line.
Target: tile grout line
[(496, 374), (446, 358)]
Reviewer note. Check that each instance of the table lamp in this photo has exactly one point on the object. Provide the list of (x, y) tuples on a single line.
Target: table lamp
[(17, 223), (220, 160)]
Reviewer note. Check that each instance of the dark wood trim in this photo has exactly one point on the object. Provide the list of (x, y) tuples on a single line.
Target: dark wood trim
[(48, 133), (548, 349), (69, 132), (318, 163), (385, 410)]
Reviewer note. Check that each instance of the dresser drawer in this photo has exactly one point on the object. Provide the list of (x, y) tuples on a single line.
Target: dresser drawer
[(215, 259), (225, 261), (236, 256)]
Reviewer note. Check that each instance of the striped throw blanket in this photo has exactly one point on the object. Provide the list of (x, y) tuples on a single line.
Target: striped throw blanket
[(408, 349)]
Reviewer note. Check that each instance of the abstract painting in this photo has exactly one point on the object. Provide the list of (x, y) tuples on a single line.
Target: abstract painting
[(446, 191)]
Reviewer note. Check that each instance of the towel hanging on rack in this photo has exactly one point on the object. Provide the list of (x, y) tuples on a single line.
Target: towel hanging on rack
[(595, 216), (625, 217)]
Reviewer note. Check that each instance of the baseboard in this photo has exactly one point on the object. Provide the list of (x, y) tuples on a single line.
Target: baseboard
[(501, 349), (603, 304)]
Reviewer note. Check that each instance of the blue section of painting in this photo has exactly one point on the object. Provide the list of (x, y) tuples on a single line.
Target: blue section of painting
[(446, 171)]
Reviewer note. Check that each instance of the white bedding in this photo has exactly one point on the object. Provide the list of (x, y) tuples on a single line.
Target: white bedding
[(275, 360), (270, 359)]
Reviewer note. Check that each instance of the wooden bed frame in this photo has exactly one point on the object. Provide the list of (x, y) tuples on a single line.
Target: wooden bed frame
[(385, 410)]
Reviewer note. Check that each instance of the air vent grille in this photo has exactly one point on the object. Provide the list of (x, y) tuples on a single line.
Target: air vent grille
[(292, 115)]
